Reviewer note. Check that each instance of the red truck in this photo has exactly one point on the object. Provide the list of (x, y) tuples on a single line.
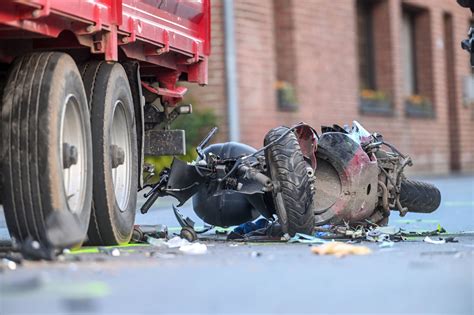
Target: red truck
[(88, 87)]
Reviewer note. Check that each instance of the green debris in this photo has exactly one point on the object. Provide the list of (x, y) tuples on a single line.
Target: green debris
[(96, 249)]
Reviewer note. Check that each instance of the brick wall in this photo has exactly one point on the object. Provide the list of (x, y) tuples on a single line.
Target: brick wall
[(313, 45)]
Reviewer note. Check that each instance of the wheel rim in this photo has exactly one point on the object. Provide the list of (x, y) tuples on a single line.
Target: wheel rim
[(121, 156), (73, 154)]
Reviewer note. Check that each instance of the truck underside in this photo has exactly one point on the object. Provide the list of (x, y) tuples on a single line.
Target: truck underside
[(88, 88)]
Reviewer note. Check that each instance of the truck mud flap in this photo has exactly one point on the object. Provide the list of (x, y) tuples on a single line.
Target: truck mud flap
[(165, 142)]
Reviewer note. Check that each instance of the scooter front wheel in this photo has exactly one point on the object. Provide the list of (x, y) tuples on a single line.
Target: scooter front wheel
[(288, 168)]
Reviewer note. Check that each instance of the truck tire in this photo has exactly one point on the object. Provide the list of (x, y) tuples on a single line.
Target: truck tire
[(287, 166), (115, 153), (419, 197), (46, 153)]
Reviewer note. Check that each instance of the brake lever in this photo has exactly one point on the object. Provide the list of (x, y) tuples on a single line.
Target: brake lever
[(204, 142)]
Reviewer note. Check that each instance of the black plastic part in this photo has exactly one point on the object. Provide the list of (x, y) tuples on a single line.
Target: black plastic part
[(184, 179), (231, 207)]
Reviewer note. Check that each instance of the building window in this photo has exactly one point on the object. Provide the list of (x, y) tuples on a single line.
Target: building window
[(417, 62), (365, 45), (285, 58), (375, 66), (409, 54)]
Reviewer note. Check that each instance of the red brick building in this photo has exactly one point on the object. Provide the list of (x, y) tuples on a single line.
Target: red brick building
[(394, 65)]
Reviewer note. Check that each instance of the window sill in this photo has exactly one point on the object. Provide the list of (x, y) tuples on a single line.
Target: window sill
[(419, 111), (375, 107)]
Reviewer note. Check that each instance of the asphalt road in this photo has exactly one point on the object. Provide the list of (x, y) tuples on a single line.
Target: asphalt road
[(411, 277)]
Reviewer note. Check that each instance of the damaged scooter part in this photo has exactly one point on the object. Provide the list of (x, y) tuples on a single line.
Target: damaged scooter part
[(188, 222), (428, 239), (377, 236), (140, 232), (188, 234)]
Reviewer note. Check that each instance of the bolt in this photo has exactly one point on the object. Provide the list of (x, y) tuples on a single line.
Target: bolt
[(90, 29), (125, 40), (70, 155), (36, 13), (118, 155)]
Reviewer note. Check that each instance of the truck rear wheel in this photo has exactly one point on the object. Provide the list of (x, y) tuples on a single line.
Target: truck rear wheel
[(46, 154), (115, 153), (287, 166)]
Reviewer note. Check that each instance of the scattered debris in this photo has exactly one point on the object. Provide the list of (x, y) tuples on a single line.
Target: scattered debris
[(188, 234), (340, 249), (451, 239), (34, 250), (114, 252), (428, 239), (194, 248), (176, 242), (182, 244), (377, 236), (389, 230), (140, 232), (306, 239), (9, 264), (158, 242), (188, 222)]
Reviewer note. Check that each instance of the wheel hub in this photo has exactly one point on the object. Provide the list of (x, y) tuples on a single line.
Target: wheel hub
[(118, 155), (70, 155)]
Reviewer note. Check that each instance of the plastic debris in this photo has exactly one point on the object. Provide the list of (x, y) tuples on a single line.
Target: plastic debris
[(389, 230), (432, 241), (451, 239), (306, 239), (10, 264), (140, 232), (194, 248), (176, 242), (377, 236), (158, 242), (114, 252), (340, 249), (183, 245)]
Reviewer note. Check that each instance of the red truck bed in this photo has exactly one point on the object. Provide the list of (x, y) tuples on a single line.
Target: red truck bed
[(161, 34)]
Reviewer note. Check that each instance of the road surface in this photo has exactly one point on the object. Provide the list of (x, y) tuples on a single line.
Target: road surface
[(411, 277)]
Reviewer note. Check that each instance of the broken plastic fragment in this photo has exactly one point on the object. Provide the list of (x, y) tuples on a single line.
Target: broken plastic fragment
[(432, 241), (306, 239), (177, 242), (194, 248), (10, 264)]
